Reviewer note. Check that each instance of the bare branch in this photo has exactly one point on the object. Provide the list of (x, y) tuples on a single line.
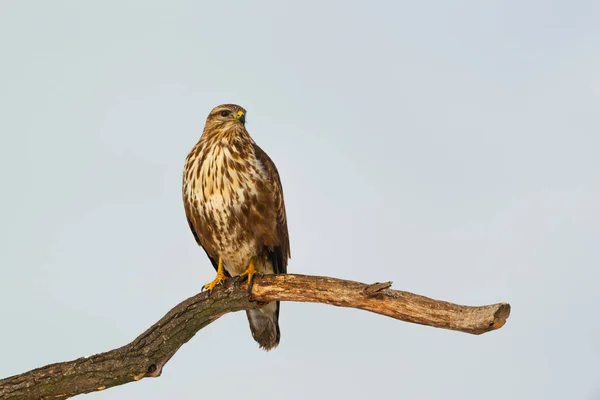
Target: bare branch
[(147, 354)]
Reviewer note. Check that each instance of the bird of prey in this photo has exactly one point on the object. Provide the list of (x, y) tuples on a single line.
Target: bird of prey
[(234, 205)]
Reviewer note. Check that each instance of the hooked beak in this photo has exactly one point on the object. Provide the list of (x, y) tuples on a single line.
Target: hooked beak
[(241, 117)]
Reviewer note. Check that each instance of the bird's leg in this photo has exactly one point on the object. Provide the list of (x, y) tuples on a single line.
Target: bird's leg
[(220, 277), (249, 272)]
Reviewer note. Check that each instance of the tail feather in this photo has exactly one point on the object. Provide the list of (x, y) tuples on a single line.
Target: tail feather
[(264, 325)]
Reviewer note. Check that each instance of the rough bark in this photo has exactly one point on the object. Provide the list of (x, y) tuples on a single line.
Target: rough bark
[(148, 353)]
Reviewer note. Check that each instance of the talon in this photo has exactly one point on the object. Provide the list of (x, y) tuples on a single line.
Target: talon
[(211, 285), (218, 279), (249, 272)]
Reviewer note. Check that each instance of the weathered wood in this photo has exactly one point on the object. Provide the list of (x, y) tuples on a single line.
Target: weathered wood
[(147, 354)]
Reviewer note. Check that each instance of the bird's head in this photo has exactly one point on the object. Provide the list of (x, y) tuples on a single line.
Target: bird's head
[(226, 117)]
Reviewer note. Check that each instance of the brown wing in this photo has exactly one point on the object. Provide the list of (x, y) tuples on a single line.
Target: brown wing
[(280, 254)]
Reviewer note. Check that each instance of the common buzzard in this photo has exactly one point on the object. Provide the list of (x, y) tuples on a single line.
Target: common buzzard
[(234, 205)]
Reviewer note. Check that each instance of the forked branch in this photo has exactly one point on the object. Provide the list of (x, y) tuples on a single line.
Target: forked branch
[(147, 354)]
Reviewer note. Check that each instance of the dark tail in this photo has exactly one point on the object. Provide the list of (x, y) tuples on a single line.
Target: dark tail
[(264, 325)]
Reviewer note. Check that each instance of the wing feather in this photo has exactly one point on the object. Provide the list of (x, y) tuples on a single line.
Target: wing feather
[(281, 253)]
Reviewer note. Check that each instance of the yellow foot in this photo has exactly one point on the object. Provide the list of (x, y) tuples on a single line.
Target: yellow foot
[(249, 272), (220, 277), (211, 285)]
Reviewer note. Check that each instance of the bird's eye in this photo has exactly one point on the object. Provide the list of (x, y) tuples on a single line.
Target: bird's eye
[(224, 113)]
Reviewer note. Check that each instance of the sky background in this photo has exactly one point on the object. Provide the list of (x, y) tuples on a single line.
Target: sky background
[(451, 147)]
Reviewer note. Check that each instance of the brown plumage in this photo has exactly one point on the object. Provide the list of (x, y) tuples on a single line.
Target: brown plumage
[(234, 205)]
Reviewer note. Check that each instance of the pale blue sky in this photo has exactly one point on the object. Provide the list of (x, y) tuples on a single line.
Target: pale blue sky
[(451, 147)]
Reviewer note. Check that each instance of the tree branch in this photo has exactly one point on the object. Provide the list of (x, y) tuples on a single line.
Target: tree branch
[(147, 354)]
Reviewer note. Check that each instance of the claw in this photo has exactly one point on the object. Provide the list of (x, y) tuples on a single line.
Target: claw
[(218, 279), (249, 272)]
